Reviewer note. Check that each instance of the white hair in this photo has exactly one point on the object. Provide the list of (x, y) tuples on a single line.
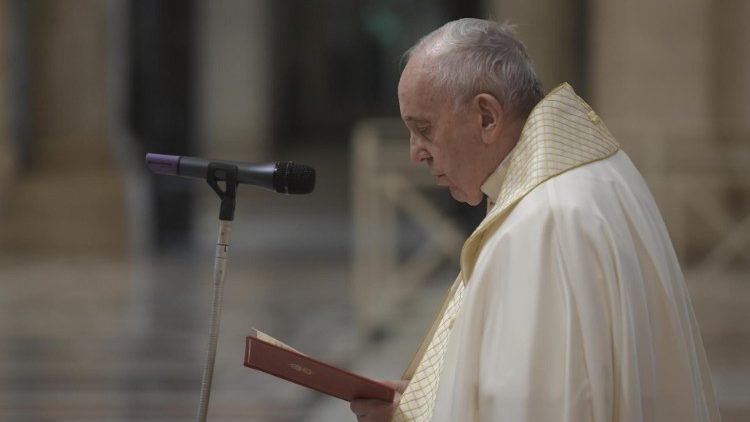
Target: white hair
[(469, 56)]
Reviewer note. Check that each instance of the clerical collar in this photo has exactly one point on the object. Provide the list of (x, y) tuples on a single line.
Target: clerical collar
[(494, 183)]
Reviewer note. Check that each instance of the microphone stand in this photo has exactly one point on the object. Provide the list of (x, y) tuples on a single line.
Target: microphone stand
[(216, 173)]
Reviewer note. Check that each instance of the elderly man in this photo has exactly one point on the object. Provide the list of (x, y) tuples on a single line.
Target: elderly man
[(570, 304)]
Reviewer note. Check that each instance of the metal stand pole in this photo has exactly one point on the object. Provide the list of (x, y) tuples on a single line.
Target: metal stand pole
[(218, 172)]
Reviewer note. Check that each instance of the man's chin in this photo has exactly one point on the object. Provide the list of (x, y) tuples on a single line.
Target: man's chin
[(461, 196)]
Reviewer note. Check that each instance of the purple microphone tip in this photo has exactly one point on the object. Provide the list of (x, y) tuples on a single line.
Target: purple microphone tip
[(162, 164)]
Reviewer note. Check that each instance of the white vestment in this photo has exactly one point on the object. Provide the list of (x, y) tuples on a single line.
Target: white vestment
[(574, 307)]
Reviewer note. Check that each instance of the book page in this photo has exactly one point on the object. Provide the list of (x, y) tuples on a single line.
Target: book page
[(268, 339)]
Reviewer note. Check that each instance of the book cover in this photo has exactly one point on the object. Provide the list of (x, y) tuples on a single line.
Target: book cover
[(264, 353)]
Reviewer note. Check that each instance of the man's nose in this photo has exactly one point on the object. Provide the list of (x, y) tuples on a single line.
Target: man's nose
[(417, 153)]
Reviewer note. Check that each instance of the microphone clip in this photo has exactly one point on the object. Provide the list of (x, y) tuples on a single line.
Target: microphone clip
[(228, 173)]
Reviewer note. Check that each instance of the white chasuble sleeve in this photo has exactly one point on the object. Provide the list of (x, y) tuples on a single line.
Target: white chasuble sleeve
[(576, 311)]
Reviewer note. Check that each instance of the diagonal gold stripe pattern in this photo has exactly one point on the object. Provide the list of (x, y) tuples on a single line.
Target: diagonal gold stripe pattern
[(417, 401), (561, 133)]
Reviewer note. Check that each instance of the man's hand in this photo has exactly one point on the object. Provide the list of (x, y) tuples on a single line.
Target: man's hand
[(376, 410)]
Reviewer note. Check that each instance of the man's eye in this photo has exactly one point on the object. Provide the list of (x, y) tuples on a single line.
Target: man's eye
[(423, 130)]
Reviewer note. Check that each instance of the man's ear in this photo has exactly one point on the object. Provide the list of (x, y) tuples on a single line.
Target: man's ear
[(491, 113)]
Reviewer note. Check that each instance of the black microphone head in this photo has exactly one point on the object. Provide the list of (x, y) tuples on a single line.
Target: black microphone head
[(293, 178)]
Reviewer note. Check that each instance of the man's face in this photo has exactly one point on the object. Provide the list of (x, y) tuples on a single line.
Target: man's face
[(446, 138)]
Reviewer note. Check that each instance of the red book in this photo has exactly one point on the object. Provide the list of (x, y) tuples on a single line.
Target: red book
[(269, 355)]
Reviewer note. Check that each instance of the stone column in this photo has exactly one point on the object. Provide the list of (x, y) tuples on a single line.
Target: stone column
[(651, 67), (70, 199), (234, 70), (68, 83), (732, 75), (551, 31)]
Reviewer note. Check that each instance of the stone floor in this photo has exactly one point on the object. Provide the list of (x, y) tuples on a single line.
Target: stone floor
[(106, 335)]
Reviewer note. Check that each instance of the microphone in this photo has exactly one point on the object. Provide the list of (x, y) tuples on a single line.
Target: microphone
[(281, 176)]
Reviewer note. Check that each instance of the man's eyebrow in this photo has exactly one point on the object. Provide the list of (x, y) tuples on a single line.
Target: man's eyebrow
[(415, 119)]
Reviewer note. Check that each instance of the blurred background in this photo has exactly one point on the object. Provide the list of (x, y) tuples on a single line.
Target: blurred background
[(105, 269)]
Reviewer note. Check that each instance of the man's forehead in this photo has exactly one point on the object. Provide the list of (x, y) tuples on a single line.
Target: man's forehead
[(410, 78), (416, 104), (415, 85)]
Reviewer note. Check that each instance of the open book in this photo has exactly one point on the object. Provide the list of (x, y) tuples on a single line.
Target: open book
[(265, 353)]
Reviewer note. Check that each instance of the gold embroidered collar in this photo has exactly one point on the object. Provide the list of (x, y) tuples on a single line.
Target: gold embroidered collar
[(561, 133)]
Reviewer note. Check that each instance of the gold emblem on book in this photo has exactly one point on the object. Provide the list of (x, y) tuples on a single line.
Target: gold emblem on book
[(299, 368)]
